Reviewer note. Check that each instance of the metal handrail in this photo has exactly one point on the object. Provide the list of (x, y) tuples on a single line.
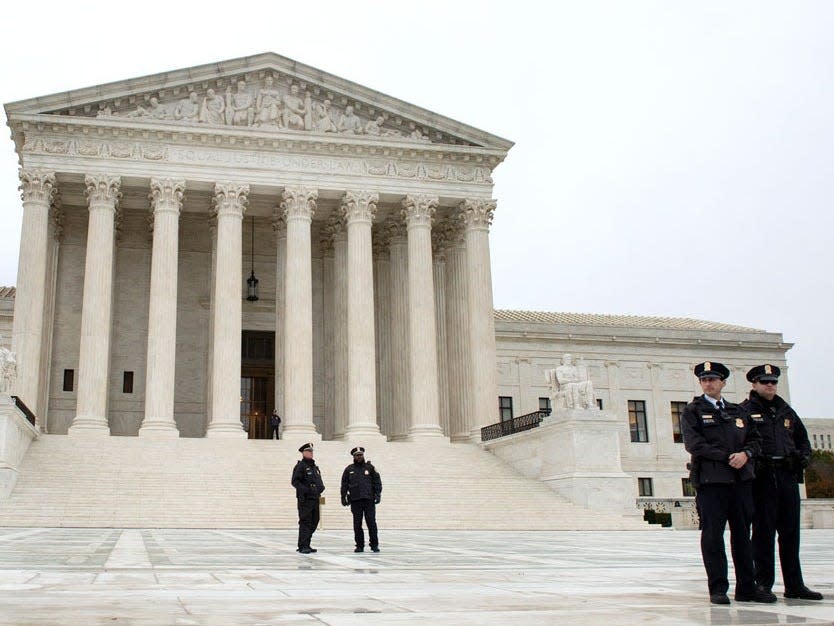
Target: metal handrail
[(21, 405), (515, 425)]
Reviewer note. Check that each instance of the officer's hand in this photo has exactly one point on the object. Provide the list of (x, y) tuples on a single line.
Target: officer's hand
[(345, 501), (804, 462), (738, 459), (377, 499)]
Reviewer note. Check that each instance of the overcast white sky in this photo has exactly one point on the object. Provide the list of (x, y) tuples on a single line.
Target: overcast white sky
[(671, 158)]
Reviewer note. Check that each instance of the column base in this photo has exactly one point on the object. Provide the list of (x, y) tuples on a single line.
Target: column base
[(425, 432), (364, 432), (159, 430), (226, 431), (307, 432), (88, 427)]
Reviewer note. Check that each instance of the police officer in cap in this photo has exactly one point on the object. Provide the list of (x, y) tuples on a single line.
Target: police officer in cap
[(786, 452), (306, 478), (362, 490), (722, 442)]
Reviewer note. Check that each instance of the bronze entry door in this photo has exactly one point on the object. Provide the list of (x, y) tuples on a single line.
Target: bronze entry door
[(257, 382)]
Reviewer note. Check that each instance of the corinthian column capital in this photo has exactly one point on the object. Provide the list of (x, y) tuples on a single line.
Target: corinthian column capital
[(439, 242), (299, 203), (37, 185), (419, 209), (230, 199), (166, 195), (103, 190), (477, 214), (359, 206), (394, 229)]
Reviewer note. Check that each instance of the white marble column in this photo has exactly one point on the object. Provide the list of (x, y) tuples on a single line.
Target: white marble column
[(299, 205), (279, 228), (382, 316), (37, 192), (230, 200), (401, 405), (418, 211), (662, 424), (166, 203), (457, 332), (97, 307), (340, 331), (438, 246), (359, 209), (328, 297), (477, 215)]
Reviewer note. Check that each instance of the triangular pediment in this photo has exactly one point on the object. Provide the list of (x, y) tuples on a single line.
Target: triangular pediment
[(266, 92)]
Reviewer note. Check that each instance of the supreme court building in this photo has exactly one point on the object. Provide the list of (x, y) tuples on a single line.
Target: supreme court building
[(147, 204)]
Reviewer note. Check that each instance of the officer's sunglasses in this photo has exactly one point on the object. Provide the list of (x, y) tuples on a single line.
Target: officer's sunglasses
[(766, 382)]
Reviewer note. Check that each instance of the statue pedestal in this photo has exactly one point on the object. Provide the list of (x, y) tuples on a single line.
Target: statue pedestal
[(586, 467), (16, 433), (575, 452)]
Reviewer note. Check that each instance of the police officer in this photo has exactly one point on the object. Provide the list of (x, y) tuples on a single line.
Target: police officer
[(722, 442), (786, 452), (306, 478), (362, 490)]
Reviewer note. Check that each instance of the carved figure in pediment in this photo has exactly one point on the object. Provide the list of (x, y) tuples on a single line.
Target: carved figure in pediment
[(350, 124), (374, 127), (239, 106), (188, 109), (105, 111), (322, 120), (212, 109), (154, 110), (268, 105), (419, 136), (294, 109)]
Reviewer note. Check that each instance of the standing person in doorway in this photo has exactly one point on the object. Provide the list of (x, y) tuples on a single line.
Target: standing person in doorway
[(722, 441), (306, 478), (274, 424), (786, 452), (362, 490)]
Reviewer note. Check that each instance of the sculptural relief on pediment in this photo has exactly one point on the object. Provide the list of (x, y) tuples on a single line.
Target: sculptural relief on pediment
[(265, 101)]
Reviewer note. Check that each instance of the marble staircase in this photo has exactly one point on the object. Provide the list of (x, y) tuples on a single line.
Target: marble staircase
[(225, 483)]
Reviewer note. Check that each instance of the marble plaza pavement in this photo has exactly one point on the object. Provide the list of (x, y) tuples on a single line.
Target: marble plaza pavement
[(90, 577)]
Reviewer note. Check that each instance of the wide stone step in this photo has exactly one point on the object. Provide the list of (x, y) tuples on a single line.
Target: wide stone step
[(211, 483)]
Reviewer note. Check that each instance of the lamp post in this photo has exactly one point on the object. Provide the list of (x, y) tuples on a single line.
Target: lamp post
[(252, 282)]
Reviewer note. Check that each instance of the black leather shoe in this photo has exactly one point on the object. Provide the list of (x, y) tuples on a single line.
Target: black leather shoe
[(357, 549), (305, 550), (374, 549), (804, 594), (760, 595), (719, 598), (312, 550)]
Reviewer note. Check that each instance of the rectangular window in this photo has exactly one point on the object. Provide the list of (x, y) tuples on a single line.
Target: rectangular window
[(829, 442), (677, 411), (815, 435), (637, 421), (688, 489), (127, 382), (505, 408), (69, 380), (644, 487), (599, 403), (544, 404)]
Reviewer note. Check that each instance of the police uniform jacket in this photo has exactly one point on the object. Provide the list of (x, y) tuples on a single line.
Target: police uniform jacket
[(783, 434), (361, 481), (306, 478), (711, 436)]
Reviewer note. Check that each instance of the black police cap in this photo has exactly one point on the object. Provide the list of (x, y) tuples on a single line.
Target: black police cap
[(306, 446), (711, 369), (357, 450), (764, 373)]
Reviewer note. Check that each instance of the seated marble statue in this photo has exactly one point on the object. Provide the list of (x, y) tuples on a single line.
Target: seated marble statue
[(571, 385), (8, 370), (188, 110)]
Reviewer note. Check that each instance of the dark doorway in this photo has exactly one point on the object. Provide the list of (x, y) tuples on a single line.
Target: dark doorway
[(257, 382)]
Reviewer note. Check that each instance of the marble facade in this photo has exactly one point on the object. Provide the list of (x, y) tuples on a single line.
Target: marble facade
[(134, 196)]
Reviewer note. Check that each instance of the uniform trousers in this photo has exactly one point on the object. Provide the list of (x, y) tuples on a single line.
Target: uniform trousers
[(365, 508), (776, 497), (308, 520), (719, 505)]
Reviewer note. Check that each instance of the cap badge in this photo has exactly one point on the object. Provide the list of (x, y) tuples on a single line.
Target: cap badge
[(707, 366), (768, 369)]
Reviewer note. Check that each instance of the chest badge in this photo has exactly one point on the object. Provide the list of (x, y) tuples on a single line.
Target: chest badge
[(366, 472), (787, 423), (739, 422)]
